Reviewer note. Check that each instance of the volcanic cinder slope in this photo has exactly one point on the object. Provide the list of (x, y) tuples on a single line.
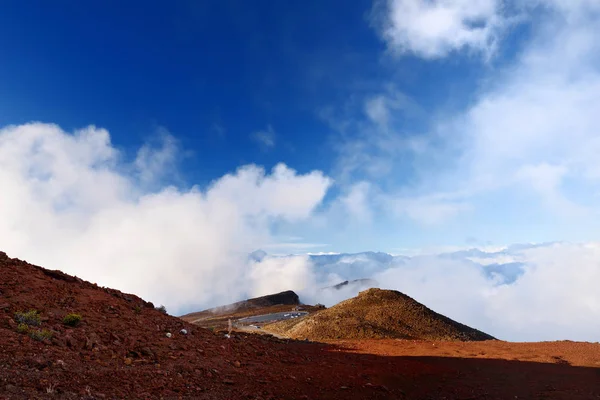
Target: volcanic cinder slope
[(121, 350), (377, 314)]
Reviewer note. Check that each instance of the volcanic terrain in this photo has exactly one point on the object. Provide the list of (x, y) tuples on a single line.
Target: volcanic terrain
[(121, 347), (218, 317), (377, 314)]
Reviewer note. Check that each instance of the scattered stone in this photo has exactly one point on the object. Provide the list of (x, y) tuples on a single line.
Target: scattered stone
[(128, 361), (168, 334), (228, 382), (145, 351), (237, 364), (183, 331), (10, 323), (11, 389), (71, 342)]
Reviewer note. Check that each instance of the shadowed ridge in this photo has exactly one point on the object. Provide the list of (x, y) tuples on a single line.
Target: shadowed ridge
[(287, 297)]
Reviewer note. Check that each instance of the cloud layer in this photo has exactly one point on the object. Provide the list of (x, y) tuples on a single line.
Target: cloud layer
[(519, 293), (70, 202)]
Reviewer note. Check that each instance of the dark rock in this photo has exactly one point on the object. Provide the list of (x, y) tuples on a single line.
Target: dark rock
[(145, 351), (11, 388)]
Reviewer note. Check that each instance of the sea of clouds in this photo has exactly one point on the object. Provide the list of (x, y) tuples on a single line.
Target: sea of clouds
[(519, 293)]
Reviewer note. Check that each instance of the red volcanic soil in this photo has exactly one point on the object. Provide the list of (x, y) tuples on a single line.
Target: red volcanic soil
[(120, 350)]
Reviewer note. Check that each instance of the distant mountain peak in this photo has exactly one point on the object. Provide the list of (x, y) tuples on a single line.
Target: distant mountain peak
[(258, 255)]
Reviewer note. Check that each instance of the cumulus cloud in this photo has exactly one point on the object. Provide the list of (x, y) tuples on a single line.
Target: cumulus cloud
[(71, 202), (433, 29)]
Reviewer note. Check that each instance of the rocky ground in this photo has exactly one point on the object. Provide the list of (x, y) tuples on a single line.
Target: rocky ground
[(120, 349)]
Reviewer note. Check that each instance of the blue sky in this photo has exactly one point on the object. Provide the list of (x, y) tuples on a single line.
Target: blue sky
[(435, 123), (212, 73)]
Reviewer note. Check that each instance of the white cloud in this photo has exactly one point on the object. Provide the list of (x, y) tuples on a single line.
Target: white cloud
[(537, 124), (357, 202), (426, 210), (265, 138), (529, 136), (67, 204), (153, 163), (292, 247), (273, 275), (557, 297), (370, 148), (377, 110), (546, 180), (434, 28)]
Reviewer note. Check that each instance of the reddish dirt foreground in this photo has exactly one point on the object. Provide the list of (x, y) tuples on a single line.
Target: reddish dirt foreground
[(564, 352), (120, 351), (490, 369)]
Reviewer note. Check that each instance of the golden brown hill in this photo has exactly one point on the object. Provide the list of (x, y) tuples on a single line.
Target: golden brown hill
[(377, 314)]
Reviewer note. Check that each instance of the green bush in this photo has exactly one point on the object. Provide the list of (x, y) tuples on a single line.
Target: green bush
[(23, 328), (162, 309), (30, 318), (72, 319), (41, 334)]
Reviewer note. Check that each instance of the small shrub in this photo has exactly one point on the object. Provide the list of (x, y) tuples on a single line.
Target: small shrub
[(41, 334), (162, 309), (23, 328), (137, 310), (31, 318), (72, 319)]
